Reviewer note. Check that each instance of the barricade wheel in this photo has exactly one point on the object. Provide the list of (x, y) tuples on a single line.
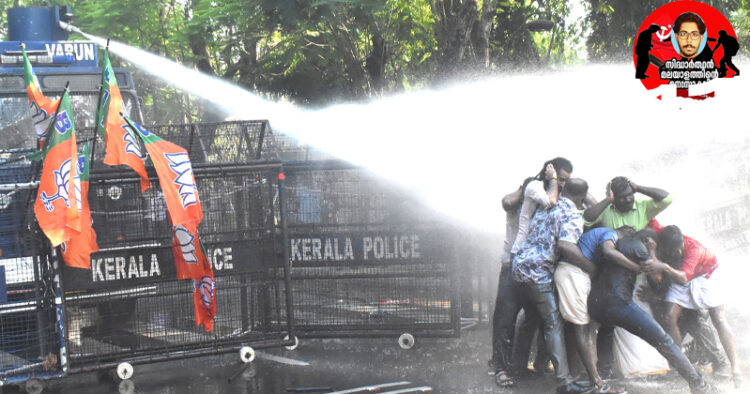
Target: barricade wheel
[(126, 387), (294, 346), (406, 341), (124, 371), (34, 386), (247, 354)]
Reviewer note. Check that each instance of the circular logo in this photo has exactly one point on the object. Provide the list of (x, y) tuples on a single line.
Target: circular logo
[(684, 43)]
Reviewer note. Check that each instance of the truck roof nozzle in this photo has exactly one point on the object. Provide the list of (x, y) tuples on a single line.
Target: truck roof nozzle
[(69, 28)]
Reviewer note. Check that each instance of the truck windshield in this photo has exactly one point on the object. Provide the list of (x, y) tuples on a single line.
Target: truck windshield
[(15, 117)]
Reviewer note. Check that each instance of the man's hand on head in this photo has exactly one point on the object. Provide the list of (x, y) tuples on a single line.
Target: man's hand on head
[(549, 172), (634, 186)]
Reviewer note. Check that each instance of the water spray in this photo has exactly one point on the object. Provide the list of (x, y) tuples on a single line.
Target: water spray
[(463, 147)]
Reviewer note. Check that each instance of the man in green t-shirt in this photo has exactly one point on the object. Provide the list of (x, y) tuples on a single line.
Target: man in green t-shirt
[(620, 208)]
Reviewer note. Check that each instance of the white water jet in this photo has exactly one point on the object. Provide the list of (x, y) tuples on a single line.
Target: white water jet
[(461, 148)]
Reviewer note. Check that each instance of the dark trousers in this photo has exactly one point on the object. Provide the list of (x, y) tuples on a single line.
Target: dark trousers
[(605, 350), (695, 322), (527, 330), (698, 324), (511, 351), (637, 321), (541, 299)]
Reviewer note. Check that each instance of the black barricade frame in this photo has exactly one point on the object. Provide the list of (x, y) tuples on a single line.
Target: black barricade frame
[(32, 336), (301, 244), (367, 259), (130, 306)]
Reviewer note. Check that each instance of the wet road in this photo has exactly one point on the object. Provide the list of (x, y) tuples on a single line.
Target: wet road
[(448, 365)]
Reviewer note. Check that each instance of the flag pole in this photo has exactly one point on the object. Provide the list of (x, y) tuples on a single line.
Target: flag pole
[(99, 101)]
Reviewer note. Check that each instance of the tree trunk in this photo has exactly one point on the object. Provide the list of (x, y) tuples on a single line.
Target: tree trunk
[(375, 63), (482, 31), (457, 27), (349, 52)]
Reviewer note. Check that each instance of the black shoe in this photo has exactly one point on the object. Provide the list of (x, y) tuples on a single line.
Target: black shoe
[(573, 388)]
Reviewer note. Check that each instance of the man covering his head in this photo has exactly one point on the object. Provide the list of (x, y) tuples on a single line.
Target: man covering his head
[(621, 208)]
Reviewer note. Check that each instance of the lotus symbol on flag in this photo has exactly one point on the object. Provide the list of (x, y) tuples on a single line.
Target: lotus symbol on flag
[(207, 287), (179, 163), (131, 146), (187, 246), (62, 178)]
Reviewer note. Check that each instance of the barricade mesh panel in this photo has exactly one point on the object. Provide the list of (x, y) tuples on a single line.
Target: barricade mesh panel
[(223, 143), (158, 318), (366, 258), (29, 338), (131, 305)]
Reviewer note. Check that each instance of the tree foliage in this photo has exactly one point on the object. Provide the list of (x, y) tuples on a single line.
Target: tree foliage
[(319, 51)]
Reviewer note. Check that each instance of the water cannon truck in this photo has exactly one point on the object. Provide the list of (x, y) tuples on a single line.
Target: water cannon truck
[(56, 61)]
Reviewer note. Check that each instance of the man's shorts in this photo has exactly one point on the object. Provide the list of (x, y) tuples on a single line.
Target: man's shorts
[(573, 287), (699, 293)]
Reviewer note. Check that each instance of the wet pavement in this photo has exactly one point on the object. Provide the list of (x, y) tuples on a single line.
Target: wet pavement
[(447, 365)]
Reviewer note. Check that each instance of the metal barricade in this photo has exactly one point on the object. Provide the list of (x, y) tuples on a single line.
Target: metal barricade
[(367, 259), (131, 307), (31, 330)]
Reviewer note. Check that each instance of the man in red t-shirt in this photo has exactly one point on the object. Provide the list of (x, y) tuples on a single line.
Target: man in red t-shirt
[(689, 265)]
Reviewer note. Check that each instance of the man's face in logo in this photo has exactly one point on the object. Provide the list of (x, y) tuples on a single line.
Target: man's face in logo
[(689, 39)]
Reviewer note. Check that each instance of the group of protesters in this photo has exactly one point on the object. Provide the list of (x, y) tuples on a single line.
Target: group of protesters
[(571, 263)]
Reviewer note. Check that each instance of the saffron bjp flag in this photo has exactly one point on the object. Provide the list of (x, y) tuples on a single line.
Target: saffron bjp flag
[(192, 263), (177, 182), (77, 251), (56, 206), (122, 146), (42, 108), (190, 259), (175, 174)]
